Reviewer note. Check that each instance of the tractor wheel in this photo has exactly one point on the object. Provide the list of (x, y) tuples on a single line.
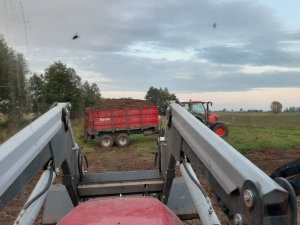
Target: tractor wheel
[(221, 130), (106, 141), (122, 140)]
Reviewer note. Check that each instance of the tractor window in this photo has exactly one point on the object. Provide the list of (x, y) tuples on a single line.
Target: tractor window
[(186, 106), (198, 108)]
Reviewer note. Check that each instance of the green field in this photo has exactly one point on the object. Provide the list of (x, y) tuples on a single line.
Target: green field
[(255, 131), (247, 132)]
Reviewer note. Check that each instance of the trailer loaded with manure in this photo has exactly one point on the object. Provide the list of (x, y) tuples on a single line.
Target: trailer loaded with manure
[(115, 125)]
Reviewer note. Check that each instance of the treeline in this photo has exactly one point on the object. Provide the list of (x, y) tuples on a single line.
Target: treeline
[(292, 109), (20, 95), (58, 83), (13, 94), (161, 98)]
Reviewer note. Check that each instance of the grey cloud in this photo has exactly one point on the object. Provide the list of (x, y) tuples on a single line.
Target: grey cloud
[(251, 55), (114, 25), (137, 74), (247, 33), (228, 55), (130, 73), (240, 82)]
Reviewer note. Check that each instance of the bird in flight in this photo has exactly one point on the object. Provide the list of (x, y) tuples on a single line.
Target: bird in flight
[(75, 36), (214, 25)]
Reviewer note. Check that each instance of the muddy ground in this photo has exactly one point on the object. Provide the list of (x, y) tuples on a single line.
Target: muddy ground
[(117, 159)]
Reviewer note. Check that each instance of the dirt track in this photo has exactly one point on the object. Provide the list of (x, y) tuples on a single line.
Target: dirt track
[(117, 159)]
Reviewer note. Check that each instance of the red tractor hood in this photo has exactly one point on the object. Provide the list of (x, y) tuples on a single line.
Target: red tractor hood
[(213, 118), (121, 211)]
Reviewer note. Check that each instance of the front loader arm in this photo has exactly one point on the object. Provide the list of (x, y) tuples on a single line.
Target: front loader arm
[(49, 138), (246, 194)]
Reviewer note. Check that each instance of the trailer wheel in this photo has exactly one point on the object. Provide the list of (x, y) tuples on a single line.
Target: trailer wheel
[(122, 140), (87, 138), (221, 130), (106, 141)]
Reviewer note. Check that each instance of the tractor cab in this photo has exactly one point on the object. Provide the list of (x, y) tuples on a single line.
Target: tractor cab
[(201, 111), (195, 107)]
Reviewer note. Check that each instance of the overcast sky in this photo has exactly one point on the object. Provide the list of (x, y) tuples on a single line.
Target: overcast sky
[(239, 54)]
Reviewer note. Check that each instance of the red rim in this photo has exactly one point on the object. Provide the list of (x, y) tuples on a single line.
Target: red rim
[(220, 131)]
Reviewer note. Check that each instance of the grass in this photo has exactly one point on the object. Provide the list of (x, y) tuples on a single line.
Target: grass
[(256, 131), (257, 138), (262, 130), (283, 120), (247, 132), (145, 145), (8, 129), (6, 133)]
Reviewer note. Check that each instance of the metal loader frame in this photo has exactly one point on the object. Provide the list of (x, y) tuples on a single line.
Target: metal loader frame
[(47, 143), (246, 194)]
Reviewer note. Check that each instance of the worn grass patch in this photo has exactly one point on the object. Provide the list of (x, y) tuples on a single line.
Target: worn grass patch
[(145, 145)]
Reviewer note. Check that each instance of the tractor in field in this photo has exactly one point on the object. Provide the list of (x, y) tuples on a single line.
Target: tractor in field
[(201, 111)]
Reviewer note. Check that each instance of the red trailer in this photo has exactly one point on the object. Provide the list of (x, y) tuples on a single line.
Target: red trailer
[(115, 125)]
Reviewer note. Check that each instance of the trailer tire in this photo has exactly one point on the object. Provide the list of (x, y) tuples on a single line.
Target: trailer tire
[(122, 140), (106, 141)]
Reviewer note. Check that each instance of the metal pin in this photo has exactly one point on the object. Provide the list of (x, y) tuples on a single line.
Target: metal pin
[(238, 219), (248, 198)]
